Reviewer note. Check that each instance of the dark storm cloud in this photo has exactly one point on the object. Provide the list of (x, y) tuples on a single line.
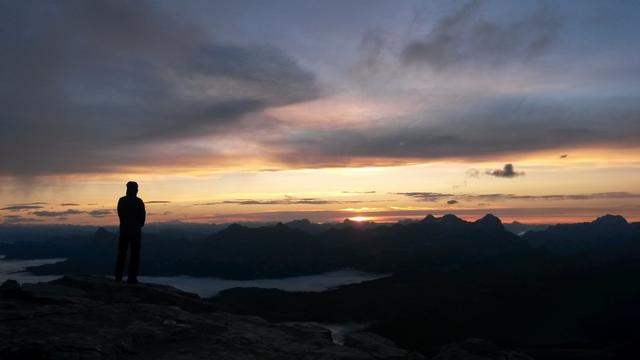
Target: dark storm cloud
[(88, 86), (508, 171), (434, 196), (464, 38), (56, 214)]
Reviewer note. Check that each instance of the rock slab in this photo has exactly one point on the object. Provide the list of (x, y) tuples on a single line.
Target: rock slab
[(84, 317)]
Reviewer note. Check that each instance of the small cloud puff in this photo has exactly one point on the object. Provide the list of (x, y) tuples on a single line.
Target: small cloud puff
[(507, 172)]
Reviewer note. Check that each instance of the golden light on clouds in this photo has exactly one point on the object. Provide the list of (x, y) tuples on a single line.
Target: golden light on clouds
[(349, 110)]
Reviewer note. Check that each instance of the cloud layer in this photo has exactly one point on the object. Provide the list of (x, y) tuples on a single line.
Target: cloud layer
[(436, 196), (288, 200), (91, 86), (103, 86), (464, 38)]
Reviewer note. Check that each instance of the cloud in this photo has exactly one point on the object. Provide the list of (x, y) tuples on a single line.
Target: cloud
[(435, 196), (18, 219), (19, 207), (133, 87), (100, 212), (507, 172), (426, 196), (471, 130), (56, 214), (288, 200), (158, 202), (69, 204), (111, 81), (65, 213), (464, 38), (564, 156), (452, 202)]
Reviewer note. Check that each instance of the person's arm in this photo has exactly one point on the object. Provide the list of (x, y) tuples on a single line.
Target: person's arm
[(120, 208), (143, 213)]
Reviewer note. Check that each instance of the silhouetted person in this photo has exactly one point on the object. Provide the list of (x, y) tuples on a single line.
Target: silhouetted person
[(132, 215)]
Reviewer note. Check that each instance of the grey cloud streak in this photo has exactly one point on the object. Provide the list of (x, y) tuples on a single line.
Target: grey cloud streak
[(477, 129), (18, 219), (65, 213), (19, 207), (56, 214), (435, 196), (286, 201), (100, 212)]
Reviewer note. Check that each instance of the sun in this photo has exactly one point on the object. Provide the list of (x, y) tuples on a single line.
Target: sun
[(360, 218)]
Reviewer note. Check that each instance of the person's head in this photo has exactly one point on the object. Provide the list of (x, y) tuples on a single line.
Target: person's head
[(132, 188)]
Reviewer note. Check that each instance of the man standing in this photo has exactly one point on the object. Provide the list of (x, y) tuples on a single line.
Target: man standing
[(132, 215)]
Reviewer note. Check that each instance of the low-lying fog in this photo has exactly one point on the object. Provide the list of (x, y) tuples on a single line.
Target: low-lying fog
[(204, 286)]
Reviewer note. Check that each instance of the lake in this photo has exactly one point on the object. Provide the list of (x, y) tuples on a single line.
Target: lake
[(204, 286)]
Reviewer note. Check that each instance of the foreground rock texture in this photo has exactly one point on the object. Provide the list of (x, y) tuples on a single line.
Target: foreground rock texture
[(477, 349), (95, 318)]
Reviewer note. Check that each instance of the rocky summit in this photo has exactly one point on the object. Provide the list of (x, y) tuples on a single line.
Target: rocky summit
[(83, 317)]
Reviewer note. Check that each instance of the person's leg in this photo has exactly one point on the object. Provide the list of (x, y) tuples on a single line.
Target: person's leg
[(134, 262), (123, 245)]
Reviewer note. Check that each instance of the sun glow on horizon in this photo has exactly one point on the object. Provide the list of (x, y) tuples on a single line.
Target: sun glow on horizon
[(361, 218)]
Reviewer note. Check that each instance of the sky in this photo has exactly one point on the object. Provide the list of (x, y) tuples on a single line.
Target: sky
[(251, 110)]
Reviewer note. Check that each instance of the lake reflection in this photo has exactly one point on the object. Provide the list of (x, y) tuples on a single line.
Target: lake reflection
[(15, 269)]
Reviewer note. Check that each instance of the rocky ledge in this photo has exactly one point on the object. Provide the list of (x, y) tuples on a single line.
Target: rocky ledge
[(96, 318)]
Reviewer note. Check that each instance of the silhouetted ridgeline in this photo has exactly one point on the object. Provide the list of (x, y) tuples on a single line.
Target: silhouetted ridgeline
[(301, 247), (283, 250)]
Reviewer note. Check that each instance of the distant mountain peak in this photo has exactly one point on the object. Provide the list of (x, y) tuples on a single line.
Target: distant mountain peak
[(102, 233), (611, 220), (280, 226), (490, 221), (429, 219), (304, 221), (450, 219), (235, 227)]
